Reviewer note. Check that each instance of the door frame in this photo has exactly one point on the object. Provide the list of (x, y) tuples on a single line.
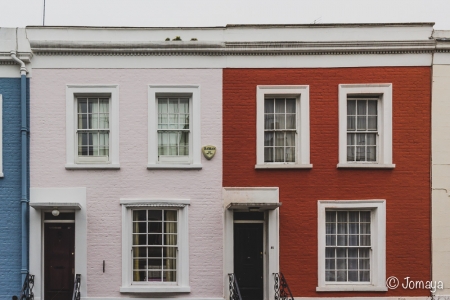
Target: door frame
[(65, 200), (250, 196)]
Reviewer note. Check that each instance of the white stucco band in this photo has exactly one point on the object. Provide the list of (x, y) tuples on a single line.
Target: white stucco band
[(441, 172), (60, 197)]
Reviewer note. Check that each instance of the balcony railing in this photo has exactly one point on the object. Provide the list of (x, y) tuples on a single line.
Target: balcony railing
[(76, 287), (235, 294), (282, 290), (27, 288)]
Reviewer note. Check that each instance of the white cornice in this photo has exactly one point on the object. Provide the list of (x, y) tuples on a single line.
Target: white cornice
[(230, 48), (5, 57)]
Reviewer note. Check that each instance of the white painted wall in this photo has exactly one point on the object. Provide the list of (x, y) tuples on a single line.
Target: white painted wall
[(441, 175)]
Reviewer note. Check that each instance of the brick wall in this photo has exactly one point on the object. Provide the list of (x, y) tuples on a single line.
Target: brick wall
[(10, 191), (405, 188)]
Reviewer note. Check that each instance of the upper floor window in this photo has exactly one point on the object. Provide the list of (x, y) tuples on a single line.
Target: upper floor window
[(93, 129), (174, 127), (283, 127), (362, 129), (92, 126), (365, 126)]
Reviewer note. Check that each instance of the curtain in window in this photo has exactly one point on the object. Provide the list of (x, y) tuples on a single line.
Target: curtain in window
[(170, 240), (173, 126)]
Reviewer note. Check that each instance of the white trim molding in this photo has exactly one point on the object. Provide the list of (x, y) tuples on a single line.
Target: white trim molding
[(182, 283), (67, 199), (384, 138), (72, 90), (250, 195), (378, 245), (302, 147), (194, 159), (1, 136)]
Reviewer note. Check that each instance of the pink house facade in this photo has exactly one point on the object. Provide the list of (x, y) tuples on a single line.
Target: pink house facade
[(117, 170)]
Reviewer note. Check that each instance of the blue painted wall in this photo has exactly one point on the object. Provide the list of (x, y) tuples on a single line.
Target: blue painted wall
[(10, 190)]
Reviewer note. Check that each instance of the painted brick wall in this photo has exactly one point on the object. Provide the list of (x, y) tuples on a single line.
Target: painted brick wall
[(133, 180), (10, 191), (405, 188)]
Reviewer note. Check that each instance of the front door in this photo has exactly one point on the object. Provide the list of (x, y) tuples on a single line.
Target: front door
[(248, 259), (59, 254)]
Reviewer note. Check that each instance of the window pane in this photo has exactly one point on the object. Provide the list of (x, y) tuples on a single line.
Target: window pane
[(279, 154), (364, 276), (342, 216), (170, 276), (268, 139), (361, 123), (154, 276), (269, 121), (330, 240), (330, 228), (139, 215), (351, 107), (290, 105), (330, 276), (353, 276), (170, 239), (280, 121), (269, 106), (361, 107), (353, 228), (154, 252), (351, 123), (290, 154), (170, 215), (372, 123), (372, 107), (342, 240), (139, 252), (330, 216), (139, 227), (330, 252), (268, 154), (170, 227), (139, 276), (279, 139), (155, 227), (280, 105), (329, 264), (155, 264), (341, 275), (290, 121), (154, 239), (365, 216)]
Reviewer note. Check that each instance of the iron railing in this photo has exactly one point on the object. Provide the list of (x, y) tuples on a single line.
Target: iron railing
[(27, 288), (76, 287), (235, 294), (282, 290)]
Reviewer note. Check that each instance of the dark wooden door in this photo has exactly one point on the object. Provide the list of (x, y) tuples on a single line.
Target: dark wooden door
[(59, 256), (248, 259)]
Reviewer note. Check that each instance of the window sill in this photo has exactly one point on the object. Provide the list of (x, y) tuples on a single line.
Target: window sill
[(155, 289), (366, 165), (351, 288), (175, 166), (92, 166), (283, 166)]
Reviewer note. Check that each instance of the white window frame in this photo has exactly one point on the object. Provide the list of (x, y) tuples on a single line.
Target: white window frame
[(1, 136), (194, 160), (182, 284), (378, 245), (384, 138), (72, 161), (302, 147)]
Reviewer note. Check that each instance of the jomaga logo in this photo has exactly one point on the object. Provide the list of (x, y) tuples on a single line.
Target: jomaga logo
[(408, 284)]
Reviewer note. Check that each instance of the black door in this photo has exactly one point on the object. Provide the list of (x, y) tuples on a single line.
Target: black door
[(248, 259), (59, 254)]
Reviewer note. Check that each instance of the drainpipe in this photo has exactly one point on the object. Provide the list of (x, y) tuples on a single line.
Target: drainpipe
[(24, 145)]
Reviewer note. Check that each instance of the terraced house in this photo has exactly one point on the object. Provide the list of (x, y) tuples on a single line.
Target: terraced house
[(245, 162), (15, 55)]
